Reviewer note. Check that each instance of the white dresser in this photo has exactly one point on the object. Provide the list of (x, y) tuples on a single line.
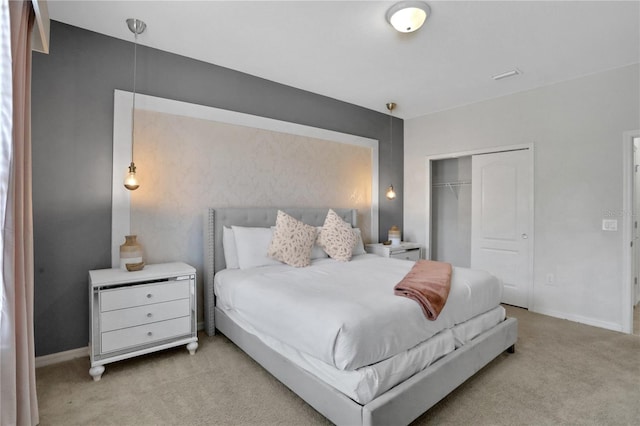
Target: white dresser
[(404, 250), (134, 313)]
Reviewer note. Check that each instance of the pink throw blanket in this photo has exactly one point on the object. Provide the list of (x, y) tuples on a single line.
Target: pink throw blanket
[(428, 283)]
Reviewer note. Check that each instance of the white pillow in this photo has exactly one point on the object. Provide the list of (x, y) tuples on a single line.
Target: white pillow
[(252, 245), (317, 252), (230, 250), (359, 247)]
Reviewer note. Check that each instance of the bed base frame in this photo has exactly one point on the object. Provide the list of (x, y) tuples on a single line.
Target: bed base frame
[(400, 405)]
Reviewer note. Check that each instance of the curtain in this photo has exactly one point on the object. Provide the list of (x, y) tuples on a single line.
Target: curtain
[(18, 399)]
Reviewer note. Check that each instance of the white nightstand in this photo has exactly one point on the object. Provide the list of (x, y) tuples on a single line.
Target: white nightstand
[(405, 251), (134, 313)]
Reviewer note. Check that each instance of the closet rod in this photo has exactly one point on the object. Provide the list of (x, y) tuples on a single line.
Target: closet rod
[(449, 184)]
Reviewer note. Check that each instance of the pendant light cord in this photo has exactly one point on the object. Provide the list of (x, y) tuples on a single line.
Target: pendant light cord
[(391, 138), (133, 109), (391, 194)]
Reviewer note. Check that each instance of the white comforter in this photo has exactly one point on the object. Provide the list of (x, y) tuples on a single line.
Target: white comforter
[(346, 314)]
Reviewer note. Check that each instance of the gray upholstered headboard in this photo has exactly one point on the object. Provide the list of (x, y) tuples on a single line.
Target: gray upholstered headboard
[(216, 219)]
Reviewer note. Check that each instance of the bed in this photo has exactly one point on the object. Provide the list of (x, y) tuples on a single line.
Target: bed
[(335, 382)]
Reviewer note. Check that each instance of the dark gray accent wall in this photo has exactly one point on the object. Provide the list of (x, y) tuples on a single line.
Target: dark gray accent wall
[(72, 133)]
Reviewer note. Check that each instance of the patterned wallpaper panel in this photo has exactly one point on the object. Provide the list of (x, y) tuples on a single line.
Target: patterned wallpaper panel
[(186, 165)]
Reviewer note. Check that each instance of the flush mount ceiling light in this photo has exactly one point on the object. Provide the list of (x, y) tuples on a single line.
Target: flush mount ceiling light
[(137, 27), (408, 16)]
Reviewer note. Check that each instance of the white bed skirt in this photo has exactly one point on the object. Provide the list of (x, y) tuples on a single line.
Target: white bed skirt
[(366, 383), (401, 404)]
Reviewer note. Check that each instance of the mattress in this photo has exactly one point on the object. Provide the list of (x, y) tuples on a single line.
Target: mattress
[(366, 383), (345, 314)]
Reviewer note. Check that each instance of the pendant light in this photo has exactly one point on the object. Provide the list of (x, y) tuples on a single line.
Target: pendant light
[(391, 193), (137, 27)]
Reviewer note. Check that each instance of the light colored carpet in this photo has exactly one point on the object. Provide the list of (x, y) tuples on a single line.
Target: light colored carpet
[(562, 373)]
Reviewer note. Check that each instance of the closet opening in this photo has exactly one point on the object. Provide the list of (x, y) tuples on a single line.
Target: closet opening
[(451, 211)]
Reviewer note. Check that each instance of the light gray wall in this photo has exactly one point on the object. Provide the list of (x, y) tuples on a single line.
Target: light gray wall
[(72, 103), (576, 128)]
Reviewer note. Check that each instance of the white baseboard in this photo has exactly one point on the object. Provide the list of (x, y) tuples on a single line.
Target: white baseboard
[(42, 361), (579, 318)]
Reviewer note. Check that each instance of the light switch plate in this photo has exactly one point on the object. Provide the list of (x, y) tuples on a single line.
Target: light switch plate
[(609, 224)]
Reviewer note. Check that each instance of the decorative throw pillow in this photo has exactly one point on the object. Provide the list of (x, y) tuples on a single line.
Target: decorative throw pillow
[(292, 241), (337, 238), (316, 251)]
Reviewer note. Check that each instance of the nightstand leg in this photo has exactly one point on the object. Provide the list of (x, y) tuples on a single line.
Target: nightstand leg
[(191, 347), (96, 372)]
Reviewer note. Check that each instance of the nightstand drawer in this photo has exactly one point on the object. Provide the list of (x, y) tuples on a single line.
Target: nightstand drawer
[(139, 315), (128, 297), (413, 255), (143, 334)]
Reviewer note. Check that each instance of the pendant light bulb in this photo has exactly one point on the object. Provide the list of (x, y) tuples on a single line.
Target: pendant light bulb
[(131, 181), (391, 194)]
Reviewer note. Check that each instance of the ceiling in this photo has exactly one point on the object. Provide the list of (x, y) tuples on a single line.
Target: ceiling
[(346, 50)]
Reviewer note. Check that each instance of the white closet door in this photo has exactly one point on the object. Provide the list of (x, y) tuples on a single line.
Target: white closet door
[(501, 199)]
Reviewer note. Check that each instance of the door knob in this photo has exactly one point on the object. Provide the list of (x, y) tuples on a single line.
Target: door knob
[(525, 236)]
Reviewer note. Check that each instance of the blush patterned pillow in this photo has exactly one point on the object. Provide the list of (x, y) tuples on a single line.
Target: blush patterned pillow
[(292, 241), (337, 238)]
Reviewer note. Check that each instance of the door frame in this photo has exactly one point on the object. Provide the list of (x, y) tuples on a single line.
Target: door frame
[(490, 150), (627, 229)]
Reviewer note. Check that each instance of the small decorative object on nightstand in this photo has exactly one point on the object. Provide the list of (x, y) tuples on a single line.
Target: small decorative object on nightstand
[(134, 313), (394, 235), (404, 250), (131, 254)]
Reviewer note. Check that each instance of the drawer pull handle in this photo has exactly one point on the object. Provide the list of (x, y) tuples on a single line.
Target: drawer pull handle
[(149, 315), (149, 296), (149, 334)]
